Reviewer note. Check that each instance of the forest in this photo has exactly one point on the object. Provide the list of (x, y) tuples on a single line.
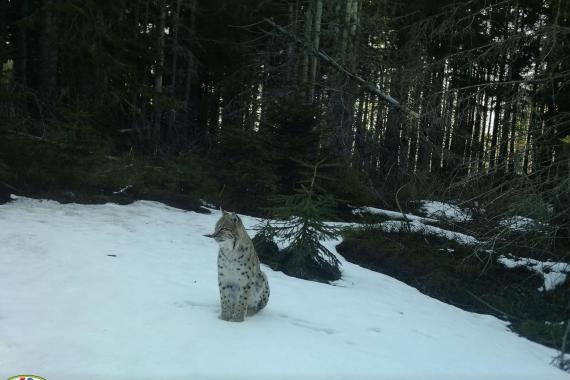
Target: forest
[(460, 98), (236, 103)]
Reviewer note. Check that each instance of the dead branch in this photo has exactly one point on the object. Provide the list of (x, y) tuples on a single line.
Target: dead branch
[(325, 57)]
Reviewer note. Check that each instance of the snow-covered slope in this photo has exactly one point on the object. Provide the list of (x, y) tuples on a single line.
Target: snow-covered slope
[(109, 292)]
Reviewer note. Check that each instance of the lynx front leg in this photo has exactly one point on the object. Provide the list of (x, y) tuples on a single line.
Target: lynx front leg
[(240, 308), (226, 302)]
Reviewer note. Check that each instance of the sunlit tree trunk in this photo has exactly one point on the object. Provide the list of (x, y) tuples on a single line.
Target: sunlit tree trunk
[(496, 121)]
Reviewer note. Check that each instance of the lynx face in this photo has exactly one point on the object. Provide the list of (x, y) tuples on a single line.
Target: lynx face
[(226, 230)]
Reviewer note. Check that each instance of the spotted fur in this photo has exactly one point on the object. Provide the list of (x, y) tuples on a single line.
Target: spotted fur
[(243, 286)]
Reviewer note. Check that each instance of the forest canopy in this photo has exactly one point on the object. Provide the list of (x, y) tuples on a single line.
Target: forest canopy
[(211, 98)]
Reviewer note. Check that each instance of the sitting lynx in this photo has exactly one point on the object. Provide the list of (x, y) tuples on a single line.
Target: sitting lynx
[(243, 286)]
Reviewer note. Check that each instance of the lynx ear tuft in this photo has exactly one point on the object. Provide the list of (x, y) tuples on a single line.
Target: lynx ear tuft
[(223, 212)]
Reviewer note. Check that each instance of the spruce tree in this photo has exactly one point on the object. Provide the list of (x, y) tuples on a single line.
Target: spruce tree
[(299, 222)]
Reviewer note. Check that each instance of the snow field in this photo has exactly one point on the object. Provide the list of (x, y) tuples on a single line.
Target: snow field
[(68, 310)]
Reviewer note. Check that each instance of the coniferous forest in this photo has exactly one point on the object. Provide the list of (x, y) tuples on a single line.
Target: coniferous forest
[(237, 102), (229, 92)]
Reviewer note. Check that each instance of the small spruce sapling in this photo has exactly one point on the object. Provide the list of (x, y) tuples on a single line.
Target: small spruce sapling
[(300, 224)]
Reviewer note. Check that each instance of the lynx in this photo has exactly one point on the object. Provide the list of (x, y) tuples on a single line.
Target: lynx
[(243, 286)]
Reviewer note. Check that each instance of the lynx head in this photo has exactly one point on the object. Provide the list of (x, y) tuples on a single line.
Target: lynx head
[(229, 229)]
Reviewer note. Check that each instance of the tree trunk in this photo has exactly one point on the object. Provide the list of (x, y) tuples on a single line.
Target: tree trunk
[(48, 52), (174, 68), (395, 125), (316, 45), (506, 126), (191, 87), (159, 73), (359, 131), (477, 125), (512, 141), (341, 100), (470, 125), (437, 130), (414, 138), (497, 120), (21, 61), (308, 40), (483, 136), (424, 149)]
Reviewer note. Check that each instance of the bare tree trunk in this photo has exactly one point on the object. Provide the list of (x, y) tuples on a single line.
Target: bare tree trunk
[(377, 128), (450, 99), (475, 141), (21, 61), (175, 46), (159, 72), (359, 131), (535, 110), (469, 132), (506, 126), (174, 68), (316, 45), (394, 126), (48, 52), (424, 143), (293, 11), (213, 113), (497, 120), (307, 38), (191, 89), (437, 130), (3, 17), (414, 138), (512, 140), (483, 136), (341, 100)]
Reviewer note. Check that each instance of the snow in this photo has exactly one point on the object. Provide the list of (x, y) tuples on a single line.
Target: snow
[(416, 226), (122, 190), (417, 223), (553, 273), (445, 211), (70, 310), (519, 223), (392, 214)]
